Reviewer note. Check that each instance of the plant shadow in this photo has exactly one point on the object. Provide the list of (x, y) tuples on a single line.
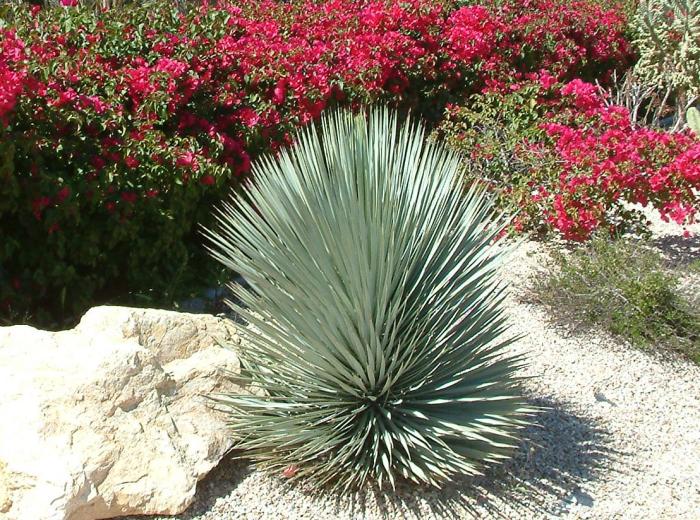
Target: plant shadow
[(679, 250), (558, 454)]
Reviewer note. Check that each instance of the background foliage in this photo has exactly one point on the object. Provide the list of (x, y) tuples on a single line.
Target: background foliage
[(667, 36), (120, 128)]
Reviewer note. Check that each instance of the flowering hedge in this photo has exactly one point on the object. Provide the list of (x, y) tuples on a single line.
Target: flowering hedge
[(120, 129), (568, 161)]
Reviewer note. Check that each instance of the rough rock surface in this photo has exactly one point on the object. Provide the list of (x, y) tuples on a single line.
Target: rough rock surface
[(110, 418)]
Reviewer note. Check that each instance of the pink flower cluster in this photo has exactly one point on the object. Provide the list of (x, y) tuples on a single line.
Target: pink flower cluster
[(604, 160), (472, 32), (599, 163), (566, 160), (12, 77), (569, 37), (11, 84)]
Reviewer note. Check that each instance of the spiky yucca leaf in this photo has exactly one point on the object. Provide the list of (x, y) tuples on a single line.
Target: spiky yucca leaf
[(376, 328)]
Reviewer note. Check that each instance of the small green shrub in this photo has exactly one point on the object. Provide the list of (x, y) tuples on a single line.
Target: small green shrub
[(374, 293), (694, 266), (500, 136), (622, 286)]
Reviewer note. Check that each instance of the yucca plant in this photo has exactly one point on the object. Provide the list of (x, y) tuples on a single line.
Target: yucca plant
[(376, 337)]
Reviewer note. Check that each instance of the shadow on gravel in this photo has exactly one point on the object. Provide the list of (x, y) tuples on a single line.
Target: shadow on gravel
[(222, 480), (558, 454), (679, 250)]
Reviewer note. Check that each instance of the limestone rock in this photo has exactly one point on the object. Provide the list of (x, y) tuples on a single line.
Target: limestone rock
[(110, 418)]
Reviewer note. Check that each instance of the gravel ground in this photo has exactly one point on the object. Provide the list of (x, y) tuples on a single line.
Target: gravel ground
[(619, 437)]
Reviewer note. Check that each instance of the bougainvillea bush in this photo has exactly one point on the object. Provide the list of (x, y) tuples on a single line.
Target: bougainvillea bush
[(569, 162), (120, 128)]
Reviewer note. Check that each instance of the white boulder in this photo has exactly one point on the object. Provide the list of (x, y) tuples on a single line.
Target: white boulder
[(111, 418)]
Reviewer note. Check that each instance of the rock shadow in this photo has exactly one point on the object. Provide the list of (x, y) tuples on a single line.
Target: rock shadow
[(215, 301)]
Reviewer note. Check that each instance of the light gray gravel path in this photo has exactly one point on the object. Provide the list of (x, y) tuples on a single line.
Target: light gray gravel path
[(619, 439)]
